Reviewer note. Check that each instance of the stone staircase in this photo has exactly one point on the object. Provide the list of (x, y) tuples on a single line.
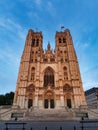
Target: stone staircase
[(5, 113), (46, 115), (93, 113)]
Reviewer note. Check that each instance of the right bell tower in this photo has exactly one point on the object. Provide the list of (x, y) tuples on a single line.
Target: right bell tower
[(70, 77)]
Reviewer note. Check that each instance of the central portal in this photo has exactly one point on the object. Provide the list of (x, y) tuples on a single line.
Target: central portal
[(69, 103), (49, 103), (30, 103)]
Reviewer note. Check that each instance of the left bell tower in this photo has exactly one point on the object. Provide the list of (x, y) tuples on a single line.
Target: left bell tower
[(33, 43)]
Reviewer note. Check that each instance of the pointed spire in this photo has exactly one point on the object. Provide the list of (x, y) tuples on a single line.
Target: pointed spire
[(48, 46)]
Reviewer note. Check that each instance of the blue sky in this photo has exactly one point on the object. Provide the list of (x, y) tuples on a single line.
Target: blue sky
[(79, 16)]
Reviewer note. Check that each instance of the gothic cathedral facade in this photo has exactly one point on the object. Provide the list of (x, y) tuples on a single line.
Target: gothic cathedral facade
[(49, 79)]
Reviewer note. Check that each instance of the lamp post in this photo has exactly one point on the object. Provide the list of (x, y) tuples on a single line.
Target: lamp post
[(74, 127), (82, 127)]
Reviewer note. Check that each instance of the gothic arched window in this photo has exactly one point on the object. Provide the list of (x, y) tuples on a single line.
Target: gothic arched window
[(64, 40), (48, 77), (31, 88), (32, 73), (59, 40), (67, 88), (37, 42), (33, 42), (65, 73)]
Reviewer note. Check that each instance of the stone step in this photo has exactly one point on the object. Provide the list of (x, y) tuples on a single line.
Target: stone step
[(48, 115)]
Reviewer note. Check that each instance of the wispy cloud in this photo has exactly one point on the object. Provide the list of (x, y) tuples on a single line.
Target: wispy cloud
[(9, 56), (9, 25), (82, 45), (11, 45), (33, 15), (90, 77), (9, 64), (50, 8), (44, 7), (88, 68), (38, 2)]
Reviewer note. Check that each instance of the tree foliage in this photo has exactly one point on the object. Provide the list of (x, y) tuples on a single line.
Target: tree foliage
[(7, 99)]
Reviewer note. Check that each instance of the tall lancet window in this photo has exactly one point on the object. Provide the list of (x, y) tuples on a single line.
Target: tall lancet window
[(65, 73), (49, 77), (32, 73), (33, 42), (37, 42), (60, 40)]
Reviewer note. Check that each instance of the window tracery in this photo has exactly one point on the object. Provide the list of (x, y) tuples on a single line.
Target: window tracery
[(31, 88), (48, 77), (37, 42), (65, 73), (33, 42), (67, 88), (59, 40), (32, 73), (62, 40)]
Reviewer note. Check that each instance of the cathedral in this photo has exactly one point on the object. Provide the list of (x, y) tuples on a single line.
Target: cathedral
[(49, 79)]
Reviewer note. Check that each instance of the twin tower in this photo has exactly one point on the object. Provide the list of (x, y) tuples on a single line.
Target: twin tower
[(49, 79)]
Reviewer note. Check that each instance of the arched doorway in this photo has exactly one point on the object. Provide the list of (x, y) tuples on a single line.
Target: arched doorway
[(30, 100), (30, 103), (68, 91), (30, 95), (49, 102), (68, 100)]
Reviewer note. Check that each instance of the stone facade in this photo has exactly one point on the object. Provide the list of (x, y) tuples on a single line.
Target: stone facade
[(49, 79)]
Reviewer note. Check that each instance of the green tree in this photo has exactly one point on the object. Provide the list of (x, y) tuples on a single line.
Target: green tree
[(2, 100), (7, 99)]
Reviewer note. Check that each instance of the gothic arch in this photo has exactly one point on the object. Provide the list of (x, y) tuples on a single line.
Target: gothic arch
[(49, 99), (68, 95), (30, 88), (33, 73), (65, 71), (67, 88), (30, 95), (48, 77), (48, 94)]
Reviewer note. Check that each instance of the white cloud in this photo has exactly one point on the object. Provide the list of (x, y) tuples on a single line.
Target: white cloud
[(81, 45), (90, 84), (33, 15), (9, 65), (88, 68), (43, 7), (9, 25), (11, 45), (38, 2), (90, 78), (50, 8), (11, 48), (9, 56)]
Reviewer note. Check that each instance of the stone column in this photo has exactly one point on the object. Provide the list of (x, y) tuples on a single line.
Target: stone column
[(62, 101), (36, 101), (26, 103)]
